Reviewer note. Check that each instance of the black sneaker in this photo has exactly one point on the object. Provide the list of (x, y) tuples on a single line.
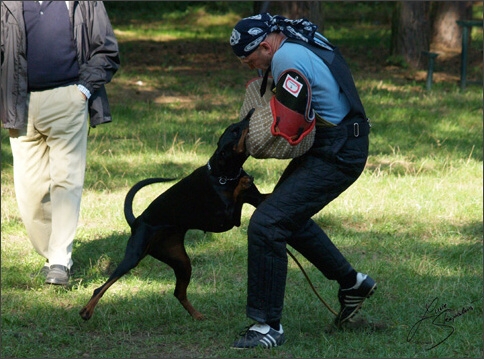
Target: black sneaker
[(352, 299), (260, 335), (58, 274)]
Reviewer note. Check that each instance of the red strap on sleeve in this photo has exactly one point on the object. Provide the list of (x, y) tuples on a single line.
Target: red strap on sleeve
[(288, 123)]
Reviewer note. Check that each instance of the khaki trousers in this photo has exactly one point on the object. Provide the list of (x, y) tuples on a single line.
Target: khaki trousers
[(49, 159)]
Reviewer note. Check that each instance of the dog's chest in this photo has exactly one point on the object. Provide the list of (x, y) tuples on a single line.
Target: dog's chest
[(195, 202)]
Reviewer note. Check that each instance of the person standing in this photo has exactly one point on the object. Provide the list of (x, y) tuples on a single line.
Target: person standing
[(302, 63), (56, 57)]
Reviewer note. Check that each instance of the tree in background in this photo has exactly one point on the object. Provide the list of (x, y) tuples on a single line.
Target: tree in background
[(416, 25), (420, 26), (311, 10), (410, 32), (446, 33)]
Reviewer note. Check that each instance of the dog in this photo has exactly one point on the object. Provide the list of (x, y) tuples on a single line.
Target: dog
[(209, 199)]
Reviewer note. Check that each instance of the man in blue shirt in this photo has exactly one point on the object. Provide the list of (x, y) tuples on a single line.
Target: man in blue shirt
[(300, 58)]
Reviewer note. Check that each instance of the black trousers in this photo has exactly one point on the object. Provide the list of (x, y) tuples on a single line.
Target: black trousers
[(308, 184)]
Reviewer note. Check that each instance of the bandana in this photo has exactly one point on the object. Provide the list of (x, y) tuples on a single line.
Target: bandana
[(249, 32)]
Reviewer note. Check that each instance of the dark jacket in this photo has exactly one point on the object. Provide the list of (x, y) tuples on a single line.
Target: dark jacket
[(97, 53)]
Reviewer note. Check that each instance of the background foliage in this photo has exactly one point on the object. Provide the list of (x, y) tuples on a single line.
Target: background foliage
[(413, 220)]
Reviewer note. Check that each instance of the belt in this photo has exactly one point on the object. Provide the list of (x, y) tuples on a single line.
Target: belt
[(356, 128)]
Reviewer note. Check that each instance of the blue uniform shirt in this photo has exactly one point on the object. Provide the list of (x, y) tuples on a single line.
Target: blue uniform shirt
[(327, 98)]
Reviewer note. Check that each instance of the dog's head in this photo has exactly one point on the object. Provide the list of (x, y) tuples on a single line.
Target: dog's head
[(231, 154)]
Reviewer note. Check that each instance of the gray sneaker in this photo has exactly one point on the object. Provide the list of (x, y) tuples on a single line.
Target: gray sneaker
[(58, 275), (260, 335), (45, 270)]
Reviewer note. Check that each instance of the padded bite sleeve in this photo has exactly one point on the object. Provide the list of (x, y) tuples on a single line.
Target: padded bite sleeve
[(291, 107)]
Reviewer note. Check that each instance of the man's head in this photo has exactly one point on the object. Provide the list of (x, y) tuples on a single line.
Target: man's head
[(248, 33), (255, 39)]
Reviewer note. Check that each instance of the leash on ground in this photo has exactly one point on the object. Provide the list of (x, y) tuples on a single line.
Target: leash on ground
[(311, 284)]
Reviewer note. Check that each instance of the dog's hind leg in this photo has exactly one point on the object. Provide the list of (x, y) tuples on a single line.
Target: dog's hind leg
[(136, 250), (88, 310), (171, 250)]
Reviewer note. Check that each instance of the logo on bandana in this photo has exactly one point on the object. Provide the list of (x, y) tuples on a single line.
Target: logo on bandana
[(292, 86), (235, 37)]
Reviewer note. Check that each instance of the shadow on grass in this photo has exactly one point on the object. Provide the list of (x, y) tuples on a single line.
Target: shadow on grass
[(148, 310), (96, 259)]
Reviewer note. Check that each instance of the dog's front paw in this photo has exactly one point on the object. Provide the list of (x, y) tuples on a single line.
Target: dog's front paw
[(246, 181), (244, 184)]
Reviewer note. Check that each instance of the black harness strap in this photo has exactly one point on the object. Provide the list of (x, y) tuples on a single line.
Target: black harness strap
[(341, 72)]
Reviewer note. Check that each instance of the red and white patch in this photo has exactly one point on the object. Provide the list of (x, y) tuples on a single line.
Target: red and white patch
[(292, 86)]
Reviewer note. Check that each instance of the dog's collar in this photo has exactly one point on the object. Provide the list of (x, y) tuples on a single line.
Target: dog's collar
[(223, 179)]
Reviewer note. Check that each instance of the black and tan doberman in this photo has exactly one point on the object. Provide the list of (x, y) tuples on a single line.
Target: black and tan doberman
[(209, 199)]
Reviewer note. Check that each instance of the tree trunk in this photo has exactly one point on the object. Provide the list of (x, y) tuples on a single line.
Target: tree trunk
[(410, 31), (311, 10), (446, 33), (261, 7)]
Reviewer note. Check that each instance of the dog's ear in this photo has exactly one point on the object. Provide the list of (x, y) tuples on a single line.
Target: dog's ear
[(240, 146), (249, 115)]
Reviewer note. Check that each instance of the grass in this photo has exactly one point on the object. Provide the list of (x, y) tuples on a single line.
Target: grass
[(413, 220)]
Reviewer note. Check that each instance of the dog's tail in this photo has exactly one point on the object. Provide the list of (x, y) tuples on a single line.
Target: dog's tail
[(128, 201)]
